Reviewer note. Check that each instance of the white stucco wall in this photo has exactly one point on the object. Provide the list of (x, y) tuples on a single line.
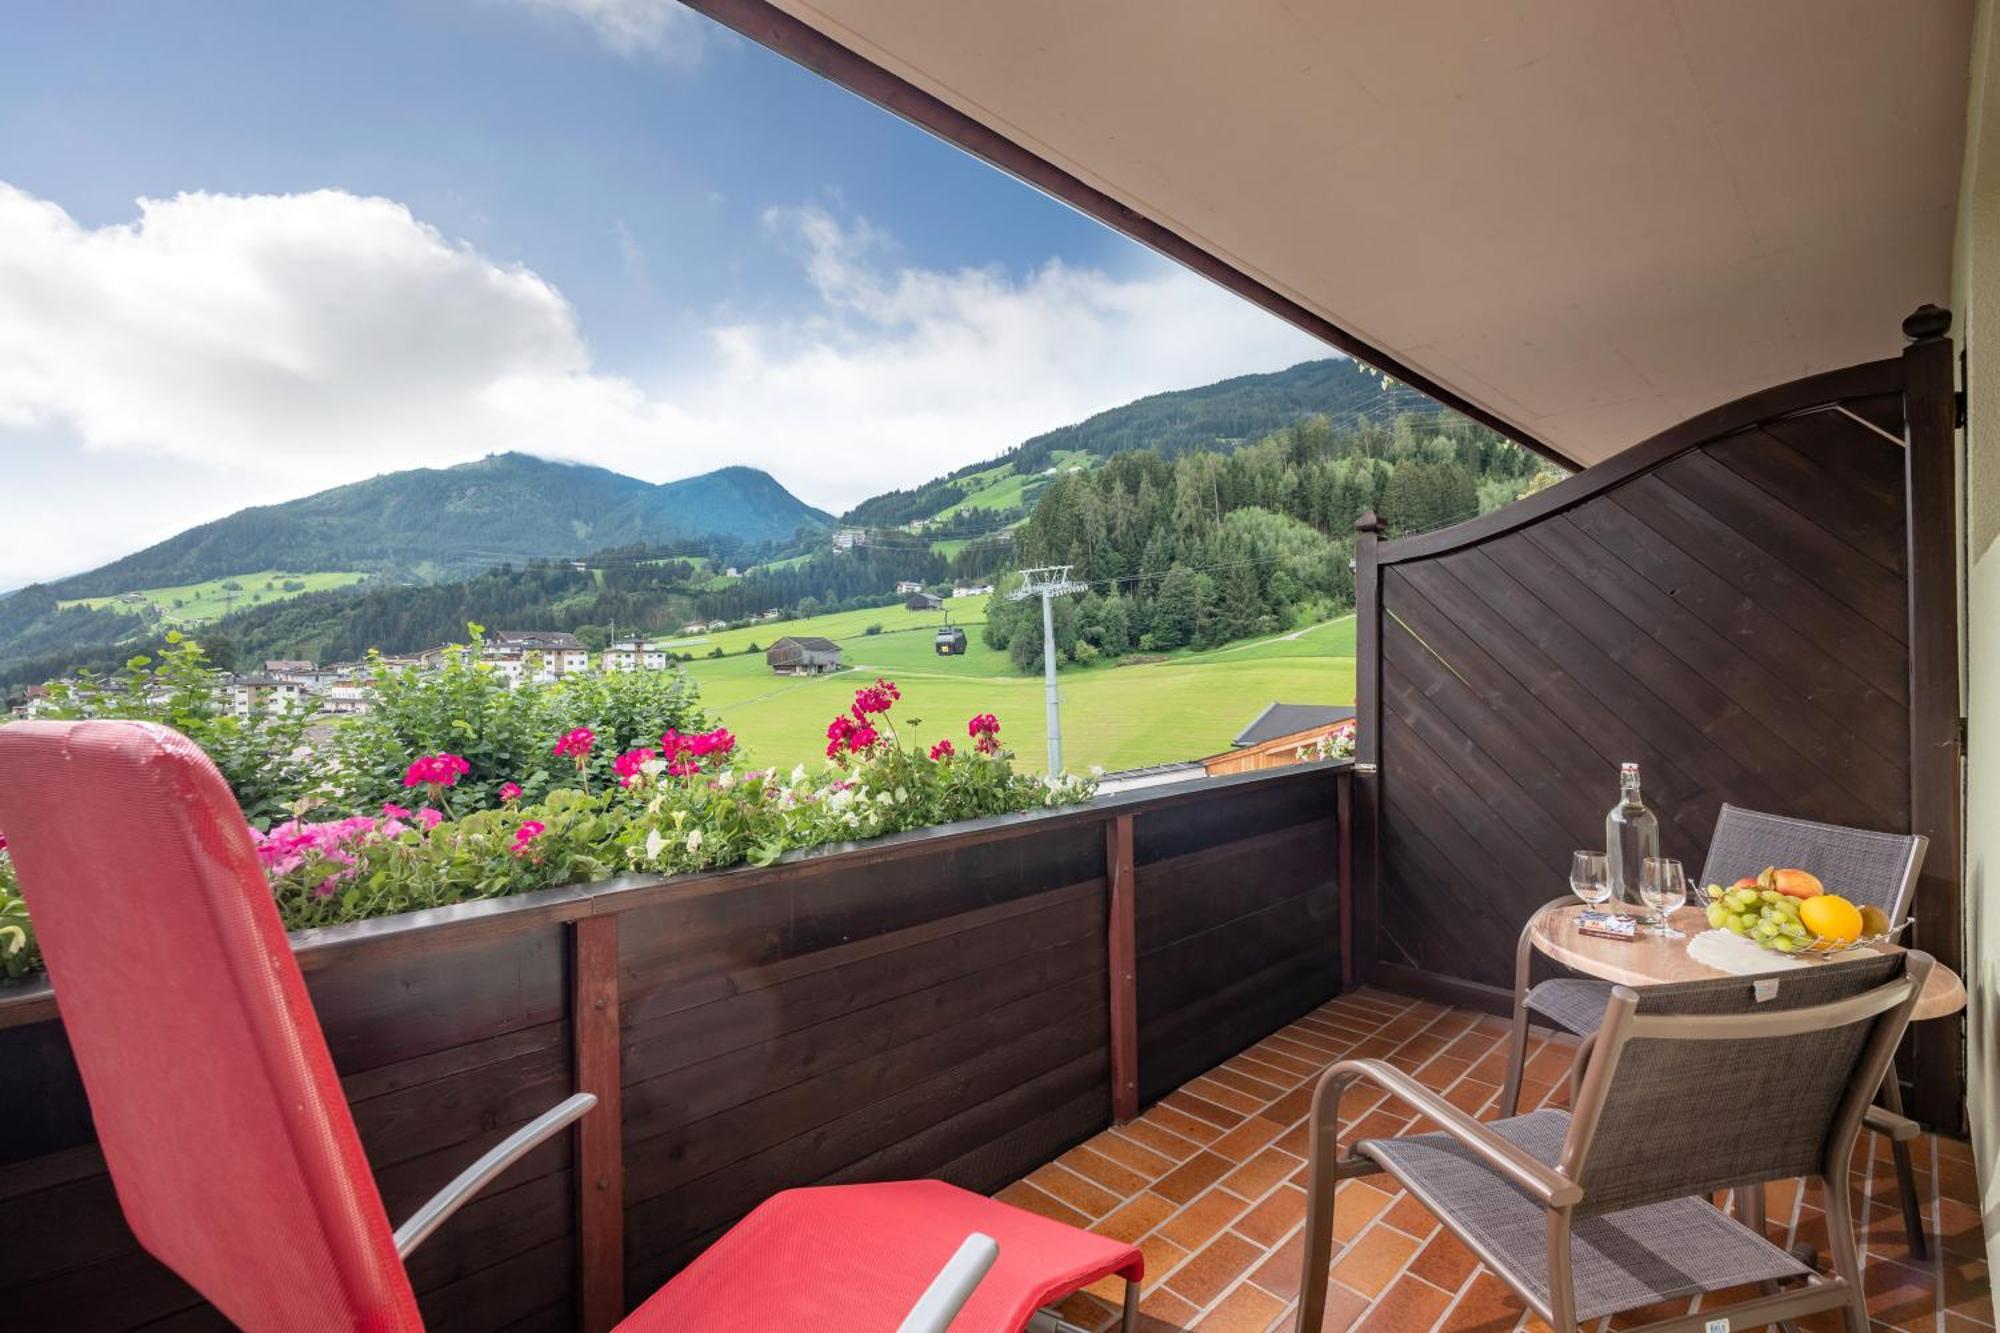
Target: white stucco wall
[(1976, 302)]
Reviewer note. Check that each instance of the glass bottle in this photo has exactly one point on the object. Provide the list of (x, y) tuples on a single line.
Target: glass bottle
[(1631, 834)]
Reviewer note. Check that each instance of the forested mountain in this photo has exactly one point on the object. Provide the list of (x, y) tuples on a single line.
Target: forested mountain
[(434, 523), (1207, 547), (1202, 515), (636, 590), (1231, 411)]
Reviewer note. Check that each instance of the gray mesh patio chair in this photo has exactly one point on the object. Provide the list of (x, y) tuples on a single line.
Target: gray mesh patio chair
[(1690, 1088), (1869, 869)]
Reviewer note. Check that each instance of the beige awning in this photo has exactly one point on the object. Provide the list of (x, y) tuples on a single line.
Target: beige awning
[(1590, 219)]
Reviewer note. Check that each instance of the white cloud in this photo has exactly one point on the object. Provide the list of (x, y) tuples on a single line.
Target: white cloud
[(287, 343), (661, 29)]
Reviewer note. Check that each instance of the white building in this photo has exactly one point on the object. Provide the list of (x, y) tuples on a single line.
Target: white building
[(909, 585), (344, 698), (846, 539), (309, 674), (973, 590), (559, 653), (265, 694), (634, 655)]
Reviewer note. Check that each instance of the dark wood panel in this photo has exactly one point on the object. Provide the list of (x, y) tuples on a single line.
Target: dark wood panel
[(1525, 688), (692, 946), (1230, 817), (860, 976), (1801, 670), (1185, 895), (1007, 1050), (1724, 606), (1777, 591), (1791, 538), (1778, 728), (1842, 506), (379, 1007)]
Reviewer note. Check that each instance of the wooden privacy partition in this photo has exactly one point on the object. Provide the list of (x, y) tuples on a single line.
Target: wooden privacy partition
[(950, 1003), (1742, 606)]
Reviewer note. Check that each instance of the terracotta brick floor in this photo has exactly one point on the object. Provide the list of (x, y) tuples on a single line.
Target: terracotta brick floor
[(1208, 1184)]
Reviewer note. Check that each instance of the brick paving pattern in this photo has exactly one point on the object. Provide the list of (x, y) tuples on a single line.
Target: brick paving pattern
[(1208, 1183)]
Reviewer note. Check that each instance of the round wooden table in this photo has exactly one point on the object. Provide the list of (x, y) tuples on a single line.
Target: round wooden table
[(1651, 959)]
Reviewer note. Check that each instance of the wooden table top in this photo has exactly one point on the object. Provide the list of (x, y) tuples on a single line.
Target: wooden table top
[(1651, 959)]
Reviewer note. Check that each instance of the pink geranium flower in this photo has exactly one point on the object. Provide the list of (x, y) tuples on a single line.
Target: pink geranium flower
[(525, 836), (510, 791), (435, 770), (576, 744), (390, 810), (876, 698), (942, 750), (628, 766)]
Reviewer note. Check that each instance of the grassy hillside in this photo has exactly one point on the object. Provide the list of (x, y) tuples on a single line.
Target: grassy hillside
[(1140, 712), (187, 604), (1211, 416)]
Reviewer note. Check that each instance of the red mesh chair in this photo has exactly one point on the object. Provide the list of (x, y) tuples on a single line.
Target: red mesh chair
[(230, 1144)]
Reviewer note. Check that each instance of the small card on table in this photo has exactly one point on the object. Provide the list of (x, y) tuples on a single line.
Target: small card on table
[(1607, 925)]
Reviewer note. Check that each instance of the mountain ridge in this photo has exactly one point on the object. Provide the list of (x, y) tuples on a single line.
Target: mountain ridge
[(428, 524)]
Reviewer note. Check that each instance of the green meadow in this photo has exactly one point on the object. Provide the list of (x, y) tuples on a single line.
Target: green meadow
[(1115, 715), (199, 603)]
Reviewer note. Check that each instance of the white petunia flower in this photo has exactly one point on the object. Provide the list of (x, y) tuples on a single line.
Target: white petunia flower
[(655, 844)]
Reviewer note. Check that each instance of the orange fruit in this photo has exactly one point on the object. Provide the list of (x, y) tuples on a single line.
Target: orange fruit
[(1832, 918)]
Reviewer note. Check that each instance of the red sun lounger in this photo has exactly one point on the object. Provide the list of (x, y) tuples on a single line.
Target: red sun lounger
[(234, 1156)]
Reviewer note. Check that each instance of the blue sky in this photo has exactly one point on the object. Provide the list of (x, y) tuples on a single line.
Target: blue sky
[(393, 235)]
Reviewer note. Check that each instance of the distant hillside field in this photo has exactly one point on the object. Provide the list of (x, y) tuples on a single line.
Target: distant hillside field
[(1179, 706), (199, 603)]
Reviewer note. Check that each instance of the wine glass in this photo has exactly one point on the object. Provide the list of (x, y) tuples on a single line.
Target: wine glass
[(1590, 877), (1663, 887)]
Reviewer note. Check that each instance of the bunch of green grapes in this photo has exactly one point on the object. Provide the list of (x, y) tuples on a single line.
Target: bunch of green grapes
[(1764, 915)]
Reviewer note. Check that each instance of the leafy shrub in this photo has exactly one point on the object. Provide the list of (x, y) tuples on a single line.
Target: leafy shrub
[(681, 808), (19, 954), (684, 806), (264, 757), (464, 707), (873, 629)]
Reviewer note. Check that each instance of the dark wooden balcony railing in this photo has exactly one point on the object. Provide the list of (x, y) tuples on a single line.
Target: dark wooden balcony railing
[(965, 1002)]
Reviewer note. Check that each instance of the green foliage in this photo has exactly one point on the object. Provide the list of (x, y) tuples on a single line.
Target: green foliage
[(264, 756), (1205, 548), (1423, 495), (465, 708), (19, 953)]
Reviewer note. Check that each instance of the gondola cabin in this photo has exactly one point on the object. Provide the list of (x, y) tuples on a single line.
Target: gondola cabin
[(950, 641)]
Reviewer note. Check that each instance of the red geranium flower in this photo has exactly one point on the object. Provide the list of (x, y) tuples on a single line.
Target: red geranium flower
[(985, 732)]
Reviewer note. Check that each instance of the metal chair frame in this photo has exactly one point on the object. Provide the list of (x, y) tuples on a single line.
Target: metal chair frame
[(1556, 1187), (1886, 1118)]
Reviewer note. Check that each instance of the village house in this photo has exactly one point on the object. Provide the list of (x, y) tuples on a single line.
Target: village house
[(560, 653), (249, 695), (634, 655), (973, 590), (924, 601), (804, 655), (344, 698), (848, 538), (908, 586)]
